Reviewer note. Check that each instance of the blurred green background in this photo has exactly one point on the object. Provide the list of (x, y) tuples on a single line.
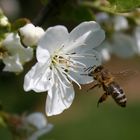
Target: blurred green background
[(83, 120)]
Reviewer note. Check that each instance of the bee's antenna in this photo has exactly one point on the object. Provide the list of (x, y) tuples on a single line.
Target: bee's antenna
[(84, 74), (90, 68)]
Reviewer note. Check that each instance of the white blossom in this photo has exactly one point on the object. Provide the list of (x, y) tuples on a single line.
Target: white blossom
[(40, 124), (4, 21), (31, 34), (62, 58), (120, 23), (102, 17), (16, 55), (137, 39), (123, 45)]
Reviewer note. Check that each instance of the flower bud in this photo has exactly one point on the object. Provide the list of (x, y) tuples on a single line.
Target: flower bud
[(4, 21), (30, 34)]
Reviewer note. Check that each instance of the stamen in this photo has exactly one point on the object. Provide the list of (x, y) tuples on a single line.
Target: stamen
[(74, 70), (64, 76), (64, 62), (56, 72), (80, 64), (72, 79), (70, 53), (61, 93), (82, 55)]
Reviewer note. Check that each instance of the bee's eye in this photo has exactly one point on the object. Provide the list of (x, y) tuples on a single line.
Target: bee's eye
[(95, 77), (97, 70), (90, 74)]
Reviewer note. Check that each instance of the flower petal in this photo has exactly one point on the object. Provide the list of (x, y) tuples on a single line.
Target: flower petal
[(59, 97), (39, 78), (30, 34), (95, 39), (14, 47), (25, 54), (123, 45), (12, 43), (40, 132), (92, 58), (42, 55), (37, 119), (54, 38), (105, 49), (83, 28), (84, 37), (120, 23), (12, 64), (137, 39)]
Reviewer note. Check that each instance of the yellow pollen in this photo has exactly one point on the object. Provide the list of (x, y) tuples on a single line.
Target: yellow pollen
[(61, 60)]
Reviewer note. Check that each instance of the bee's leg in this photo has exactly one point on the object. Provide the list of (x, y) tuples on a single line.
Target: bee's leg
[(93, 86), (102, 99)]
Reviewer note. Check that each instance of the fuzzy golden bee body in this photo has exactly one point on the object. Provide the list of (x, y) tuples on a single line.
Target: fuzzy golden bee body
[(104, 78)]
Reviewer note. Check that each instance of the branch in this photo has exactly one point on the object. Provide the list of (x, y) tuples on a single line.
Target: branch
[(52, 8)]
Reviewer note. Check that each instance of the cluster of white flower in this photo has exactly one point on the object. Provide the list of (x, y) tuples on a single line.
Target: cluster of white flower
[(15, 54), (62, 58), (12, 50), (120, 43)]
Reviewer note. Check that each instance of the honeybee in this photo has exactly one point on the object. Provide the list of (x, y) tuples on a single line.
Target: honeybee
[(103, 78)]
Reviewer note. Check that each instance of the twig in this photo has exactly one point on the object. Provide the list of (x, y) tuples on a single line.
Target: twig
[(48, 10)]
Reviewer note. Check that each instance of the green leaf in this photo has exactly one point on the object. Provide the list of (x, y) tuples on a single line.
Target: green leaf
[(113, 6), (123, 5)]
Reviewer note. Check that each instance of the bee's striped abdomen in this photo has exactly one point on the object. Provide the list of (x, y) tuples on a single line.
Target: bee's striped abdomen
[(117, 94)]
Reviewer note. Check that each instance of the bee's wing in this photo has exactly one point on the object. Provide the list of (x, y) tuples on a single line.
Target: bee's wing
[(125, 74)]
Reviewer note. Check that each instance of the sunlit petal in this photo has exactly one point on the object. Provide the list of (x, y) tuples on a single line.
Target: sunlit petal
[(85, 39), (14, 47), (30, 34), (59, 98), (83, 28), (42, 55), (12, 64), (38, 78), (54, 38)]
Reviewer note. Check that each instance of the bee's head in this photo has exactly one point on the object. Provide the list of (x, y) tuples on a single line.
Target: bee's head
[(95, 71), (98, 69)]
